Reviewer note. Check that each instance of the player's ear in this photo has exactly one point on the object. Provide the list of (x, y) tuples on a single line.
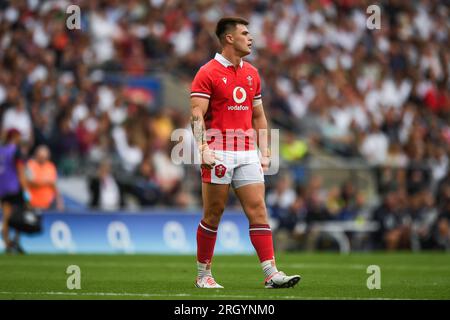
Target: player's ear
[(229, 38)]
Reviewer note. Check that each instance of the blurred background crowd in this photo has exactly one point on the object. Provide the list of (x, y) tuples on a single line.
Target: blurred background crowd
[(364, 115)]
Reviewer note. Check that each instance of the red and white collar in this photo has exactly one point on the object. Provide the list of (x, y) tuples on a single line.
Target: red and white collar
[(224, 61)]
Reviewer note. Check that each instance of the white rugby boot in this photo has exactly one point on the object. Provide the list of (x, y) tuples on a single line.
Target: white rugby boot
[(281, 280), (207, 282)]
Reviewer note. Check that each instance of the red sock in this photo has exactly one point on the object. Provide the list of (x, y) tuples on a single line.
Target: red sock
[(206, 239), (261, 238)]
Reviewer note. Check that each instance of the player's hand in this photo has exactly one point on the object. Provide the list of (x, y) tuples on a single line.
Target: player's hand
[(208, 157)]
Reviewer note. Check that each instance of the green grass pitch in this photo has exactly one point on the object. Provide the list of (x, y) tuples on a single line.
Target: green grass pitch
[(324, 276)]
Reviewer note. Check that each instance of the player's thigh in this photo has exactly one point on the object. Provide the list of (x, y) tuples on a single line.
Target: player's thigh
[(215, 197), (251, 196)]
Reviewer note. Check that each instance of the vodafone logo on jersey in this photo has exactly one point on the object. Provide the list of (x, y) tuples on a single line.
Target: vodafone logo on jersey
[(239, 95)]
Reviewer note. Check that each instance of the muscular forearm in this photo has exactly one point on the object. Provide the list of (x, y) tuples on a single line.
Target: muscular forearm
[(208, 156), (198, 127)]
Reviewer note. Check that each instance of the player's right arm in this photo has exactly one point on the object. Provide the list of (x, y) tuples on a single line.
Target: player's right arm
[(199, 106), (201, 92)]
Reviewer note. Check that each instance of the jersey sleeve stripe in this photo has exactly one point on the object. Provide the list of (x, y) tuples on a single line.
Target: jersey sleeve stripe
[(257, 100), (200, 94)]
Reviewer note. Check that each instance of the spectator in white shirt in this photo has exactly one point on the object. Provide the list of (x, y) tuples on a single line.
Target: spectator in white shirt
[(104, 190), (374, 146), (18, 118)]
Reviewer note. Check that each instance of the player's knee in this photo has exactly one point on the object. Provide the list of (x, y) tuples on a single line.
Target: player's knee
[(212, 220), (214, 212), (257, 211), (258, 207)]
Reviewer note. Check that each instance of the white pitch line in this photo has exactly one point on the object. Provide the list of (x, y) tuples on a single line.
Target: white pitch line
[(227, 265), (150, 295)]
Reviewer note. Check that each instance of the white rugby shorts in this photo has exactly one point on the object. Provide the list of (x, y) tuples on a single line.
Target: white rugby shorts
[(237, 168)]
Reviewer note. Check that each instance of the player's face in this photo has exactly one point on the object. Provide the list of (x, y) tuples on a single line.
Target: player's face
[(242, 40)]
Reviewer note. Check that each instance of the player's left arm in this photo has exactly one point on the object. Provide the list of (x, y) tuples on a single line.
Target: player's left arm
[(259, 123)]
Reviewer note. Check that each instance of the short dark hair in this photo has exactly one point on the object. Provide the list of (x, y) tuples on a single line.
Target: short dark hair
[(227, 24)]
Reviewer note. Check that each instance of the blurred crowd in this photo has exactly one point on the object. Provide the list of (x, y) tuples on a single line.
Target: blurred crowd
[(329, 83)]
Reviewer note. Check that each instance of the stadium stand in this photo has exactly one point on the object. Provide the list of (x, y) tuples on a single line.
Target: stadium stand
[(364, 114)]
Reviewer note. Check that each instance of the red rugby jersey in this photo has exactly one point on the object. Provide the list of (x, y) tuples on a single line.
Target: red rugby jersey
[(232, 93)]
